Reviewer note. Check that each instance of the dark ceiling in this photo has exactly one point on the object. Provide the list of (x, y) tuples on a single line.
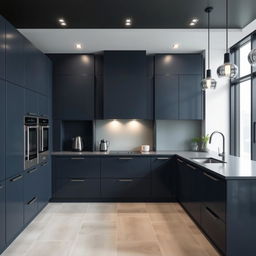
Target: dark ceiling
[(111, 13)]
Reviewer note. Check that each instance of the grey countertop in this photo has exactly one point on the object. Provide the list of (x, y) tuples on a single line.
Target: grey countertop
[(234, 168)]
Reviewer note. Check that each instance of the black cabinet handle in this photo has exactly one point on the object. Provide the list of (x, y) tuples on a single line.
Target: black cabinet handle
[(77, 180), (212, 214), (191, 166), (32, 170), (33, 200), (77, 158), (163, 158), (254, 132), (125, 158), (180, 161), (210, 176), (126, 180), (43, 164), (16, 178)]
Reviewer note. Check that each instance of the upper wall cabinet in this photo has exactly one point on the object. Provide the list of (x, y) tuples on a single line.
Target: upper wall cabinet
[(2, 48), (73, 86), (126, 93), (2, 130), (15, 60), (73, 64), (173, 64)]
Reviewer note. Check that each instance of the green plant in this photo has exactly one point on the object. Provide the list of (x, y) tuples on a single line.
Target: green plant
[(196, 140), (203, 139)]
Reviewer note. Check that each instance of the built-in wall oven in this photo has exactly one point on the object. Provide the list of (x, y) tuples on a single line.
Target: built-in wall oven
[(43, 139), (31, 141)]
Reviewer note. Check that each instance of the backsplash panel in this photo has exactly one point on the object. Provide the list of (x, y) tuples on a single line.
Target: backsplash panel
[(176, 134), (124, 134)]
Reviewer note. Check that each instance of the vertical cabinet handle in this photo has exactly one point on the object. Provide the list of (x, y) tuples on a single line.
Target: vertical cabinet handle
[(254, 132)]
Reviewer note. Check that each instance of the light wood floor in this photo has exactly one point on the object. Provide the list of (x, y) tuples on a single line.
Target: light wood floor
[(109, 229)]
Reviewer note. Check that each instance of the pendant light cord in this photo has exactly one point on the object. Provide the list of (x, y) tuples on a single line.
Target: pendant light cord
[(208, 40), (226, 25)]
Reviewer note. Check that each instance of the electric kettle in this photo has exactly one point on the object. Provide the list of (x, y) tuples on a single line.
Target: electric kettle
[(77, 144), (104, 145)]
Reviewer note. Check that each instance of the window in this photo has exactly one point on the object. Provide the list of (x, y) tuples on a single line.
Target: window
[(242, 106)]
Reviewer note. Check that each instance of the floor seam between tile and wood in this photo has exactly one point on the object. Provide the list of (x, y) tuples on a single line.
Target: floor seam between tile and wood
[(111, 229)]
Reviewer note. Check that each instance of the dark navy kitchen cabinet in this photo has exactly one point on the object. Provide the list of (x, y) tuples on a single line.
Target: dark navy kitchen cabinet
[(190, 97), (31, 182), (45, 184), (72, 64), (31, 103), (163, 178), (14, 129), (126, 94), (2, 216), (73, 97), (14, 207), (2, 129), (173, 64), (2, 48), (167, 97), (42, 105), (129, 188), (125, 167), (15, 60)]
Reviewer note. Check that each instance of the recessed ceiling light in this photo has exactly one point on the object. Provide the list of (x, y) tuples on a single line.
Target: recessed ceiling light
[(175, 46), (63, 24), (61, 20), (192, 24), (78, 46), (195, 20), (128, 22)]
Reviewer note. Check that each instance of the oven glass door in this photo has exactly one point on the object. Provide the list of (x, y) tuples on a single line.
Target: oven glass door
[(31, 142), (44, 139)]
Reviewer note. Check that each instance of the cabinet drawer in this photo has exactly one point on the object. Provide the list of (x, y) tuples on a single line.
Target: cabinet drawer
[(31, 181), (125, 188), (125, 167), (77, 167), (215, 194), (75, 188), (214, 228)]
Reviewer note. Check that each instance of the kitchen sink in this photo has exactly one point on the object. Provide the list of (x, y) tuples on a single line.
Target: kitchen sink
[(208, 160)]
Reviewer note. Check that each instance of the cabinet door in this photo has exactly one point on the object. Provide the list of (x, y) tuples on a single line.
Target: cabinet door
[(2, 129), (2, 216), (135, 188), (126, 92), (45, 69), (45, 187), (173, 64), (14, 129), (77, 167), (167, 97), (73, 97), (31, 181), (42, 105), (15, 61), (2, 48), (190, 97), (14, 207), (31, 103), (163, 177), (125, 167)]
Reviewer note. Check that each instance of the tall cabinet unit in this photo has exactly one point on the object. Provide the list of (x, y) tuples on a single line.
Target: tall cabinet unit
[(25, 89), (178, 93)]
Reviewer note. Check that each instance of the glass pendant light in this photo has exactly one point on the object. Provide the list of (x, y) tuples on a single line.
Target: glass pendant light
[(228, 69), (208, 82), (252, 57)]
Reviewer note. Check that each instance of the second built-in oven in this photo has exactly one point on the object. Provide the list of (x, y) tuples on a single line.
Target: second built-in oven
[(43, 139), (31, 141)]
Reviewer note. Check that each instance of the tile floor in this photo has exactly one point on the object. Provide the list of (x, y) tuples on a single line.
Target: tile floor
[(111, 229)]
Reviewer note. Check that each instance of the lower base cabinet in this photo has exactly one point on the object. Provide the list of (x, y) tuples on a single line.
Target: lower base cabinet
[(126, 188), (2, 216), (14, 207), (77, 188)]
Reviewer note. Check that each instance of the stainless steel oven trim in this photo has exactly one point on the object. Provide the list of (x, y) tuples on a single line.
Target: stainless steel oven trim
[(42, 128)]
